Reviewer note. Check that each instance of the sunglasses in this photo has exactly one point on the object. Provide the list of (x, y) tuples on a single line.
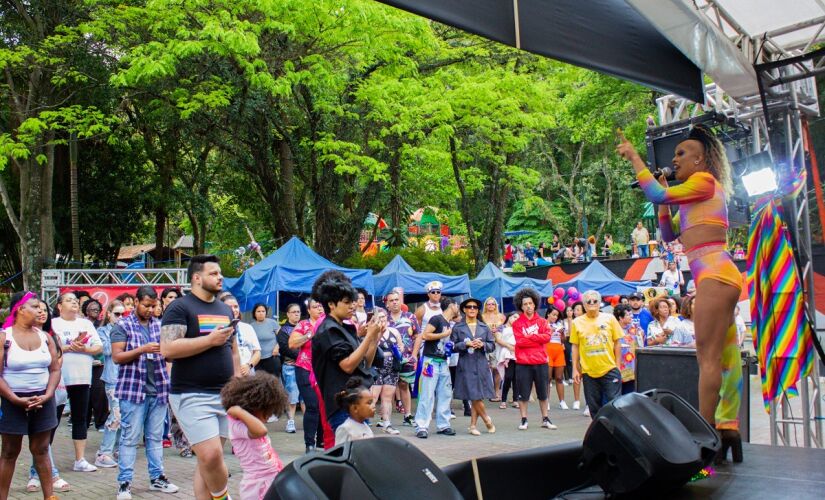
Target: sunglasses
[(434, 291), (591, 302), (471, 306), (117, 315)]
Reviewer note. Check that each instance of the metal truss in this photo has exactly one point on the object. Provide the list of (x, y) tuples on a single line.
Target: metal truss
[(53, 280)]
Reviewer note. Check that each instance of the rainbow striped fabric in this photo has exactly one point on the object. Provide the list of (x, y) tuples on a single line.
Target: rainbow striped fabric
[(208, 322), (779, 325)]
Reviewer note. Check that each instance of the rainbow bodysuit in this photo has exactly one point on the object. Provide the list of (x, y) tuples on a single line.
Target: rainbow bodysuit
[(702, 200)]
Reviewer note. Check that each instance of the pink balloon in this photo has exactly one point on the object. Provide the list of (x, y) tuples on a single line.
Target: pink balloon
[(571, 301), (572, 291), (558, 293), (559, 305)]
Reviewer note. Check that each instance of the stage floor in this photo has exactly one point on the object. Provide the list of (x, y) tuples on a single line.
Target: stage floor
[(768, 472)]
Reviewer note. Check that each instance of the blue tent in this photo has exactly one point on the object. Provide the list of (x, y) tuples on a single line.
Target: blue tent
[(599, 278), (399, 273), (292, 268), (492, 282)]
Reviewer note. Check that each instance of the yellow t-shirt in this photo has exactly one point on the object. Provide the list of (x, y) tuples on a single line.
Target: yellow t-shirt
[(595, 338)]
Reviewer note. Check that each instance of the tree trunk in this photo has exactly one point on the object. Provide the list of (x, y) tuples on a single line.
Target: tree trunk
[(464, 204), (396, 205), (287, 188), (73, 201)]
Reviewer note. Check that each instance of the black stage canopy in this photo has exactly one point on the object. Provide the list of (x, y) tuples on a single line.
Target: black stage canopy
[(604, 35)]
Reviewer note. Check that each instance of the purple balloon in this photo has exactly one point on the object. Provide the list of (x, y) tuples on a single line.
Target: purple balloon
[(559, 305), (572, 291), (558, 293), (575, 295)]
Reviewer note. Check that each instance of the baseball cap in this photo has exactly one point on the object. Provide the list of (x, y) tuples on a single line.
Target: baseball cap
[(636, 295)]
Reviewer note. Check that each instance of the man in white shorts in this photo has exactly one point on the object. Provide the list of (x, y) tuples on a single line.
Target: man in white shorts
[(197, 336)]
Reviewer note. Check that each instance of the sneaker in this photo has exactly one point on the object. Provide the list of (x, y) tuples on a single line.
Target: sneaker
[(409, 421), (83, 466), (167, 443), (105, 461), (421, 434), (380, 424), (563, 405), (452, 415), (124, 492), (311, 449), (272, 419), (586, 412), (186, 453), (160, 483), (547, 424), (523, 425), (446, 432), (564, 382), (392, 431), (576, 405), (290, 426)]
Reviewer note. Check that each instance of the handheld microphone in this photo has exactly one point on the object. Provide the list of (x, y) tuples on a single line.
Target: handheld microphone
[(666, 171)]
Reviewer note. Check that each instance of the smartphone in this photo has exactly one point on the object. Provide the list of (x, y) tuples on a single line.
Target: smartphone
[(234, 322), (369, 316)]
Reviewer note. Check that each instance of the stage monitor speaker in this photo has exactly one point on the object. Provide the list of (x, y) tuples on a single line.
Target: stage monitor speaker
[(382, 468), (647, 443)]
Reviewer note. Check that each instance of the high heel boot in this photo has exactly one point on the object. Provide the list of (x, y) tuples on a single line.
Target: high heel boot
[(732, 440)]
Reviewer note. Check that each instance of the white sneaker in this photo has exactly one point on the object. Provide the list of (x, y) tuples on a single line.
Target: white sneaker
[(83, 466), (452, 416), (547, 424), (392, 431), (160, 483), (271, 419), (576, 405), (564, 382), (124, 492), (105, 461), (522, 426), (586, 412), (563, 405), (290, 426)]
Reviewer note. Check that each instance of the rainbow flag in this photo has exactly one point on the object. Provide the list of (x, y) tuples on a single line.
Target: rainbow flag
[(782, 334)]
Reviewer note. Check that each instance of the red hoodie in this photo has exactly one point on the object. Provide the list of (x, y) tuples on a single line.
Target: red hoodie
[(531, 336)]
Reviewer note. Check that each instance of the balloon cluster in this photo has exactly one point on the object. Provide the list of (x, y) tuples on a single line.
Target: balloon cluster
[(240, 251), (562, 298), (254, 246)]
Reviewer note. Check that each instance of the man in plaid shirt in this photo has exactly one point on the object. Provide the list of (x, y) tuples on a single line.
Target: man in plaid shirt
[(143, 391)]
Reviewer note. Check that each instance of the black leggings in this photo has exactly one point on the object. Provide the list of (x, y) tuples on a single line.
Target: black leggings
[(313, 432), (271, 365), (98, 403), (79, 401), (509, 381), (568, 363)]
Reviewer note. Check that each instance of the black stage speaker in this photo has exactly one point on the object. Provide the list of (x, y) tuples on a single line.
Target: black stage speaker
[(382, 468), (676, 369), (647, 443)]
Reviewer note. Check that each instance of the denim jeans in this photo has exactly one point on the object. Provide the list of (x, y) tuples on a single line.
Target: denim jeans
[(138, 419), (644, 249), (604, 389), (112, 427), (290, 383), (436, 390)]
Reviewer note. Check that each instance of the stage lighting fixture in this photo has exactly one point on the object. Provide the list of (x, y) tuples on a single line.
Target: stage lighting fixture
[(760, 182)]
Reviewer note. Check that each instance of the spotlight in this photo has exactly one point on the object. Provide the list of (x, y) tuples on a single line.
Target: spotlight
[(760, 182)]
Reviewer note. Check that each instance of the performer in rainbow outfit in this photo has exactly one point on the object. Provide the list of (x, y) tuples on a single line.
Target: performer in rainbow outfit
[(701, 165)]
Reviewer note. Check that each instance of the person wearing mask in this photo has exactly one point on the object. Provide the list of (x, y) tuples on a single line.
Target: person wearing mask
[(641, 315), (632, 339), (596, 339), (407, 325), (660, 330), (288, 358), (29, 376), (196, 334), (473, 340), (266, 330), (301, 339), (80, 344), (435, 387), (531, 333), (105, 454), (142, 392), (383, 388)]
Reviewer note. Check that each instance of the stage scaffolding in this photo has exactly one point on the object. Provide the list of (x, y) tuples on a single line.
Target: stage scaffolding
[(53, 280)]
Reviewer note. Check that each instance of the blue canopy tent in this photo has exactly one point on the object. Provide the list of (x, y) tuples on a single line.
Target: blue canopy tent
[(599, 278), (400, 274), (492, 282), (292, 268)]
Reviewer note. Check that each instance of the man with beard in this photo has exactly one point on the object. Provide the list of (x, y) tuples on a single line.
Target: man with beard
[(641, 316), (197, 335)]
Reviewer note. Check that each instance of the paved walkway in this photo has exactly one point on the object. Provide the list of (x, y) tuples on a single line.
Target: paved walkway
[(443, 450)]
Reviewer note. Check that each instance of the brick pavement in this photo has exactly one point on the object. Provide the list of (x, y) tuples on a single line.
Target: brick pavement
[(443, 450)]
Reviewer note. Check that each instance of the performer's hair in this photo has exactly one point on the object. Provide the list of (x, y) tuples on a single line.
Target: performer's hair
[(716, 158)]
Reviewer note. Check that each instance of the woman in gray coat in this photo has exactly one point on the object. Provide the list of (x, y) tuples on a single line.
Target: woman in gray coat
[(473, 340)]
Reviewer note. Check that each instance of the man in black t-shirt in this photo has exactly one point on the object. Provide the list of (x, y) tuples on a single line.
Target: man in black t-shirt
[(196, 335), (436, 387)]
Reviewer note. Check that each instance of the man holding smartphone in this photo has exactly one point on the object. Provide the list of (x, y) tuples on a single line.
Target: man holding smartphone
[(197, 337), (142, 390)]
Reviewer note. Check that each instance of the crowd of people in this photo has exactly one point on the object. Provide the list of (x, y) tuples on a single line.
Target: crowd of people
[(185, 369)]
